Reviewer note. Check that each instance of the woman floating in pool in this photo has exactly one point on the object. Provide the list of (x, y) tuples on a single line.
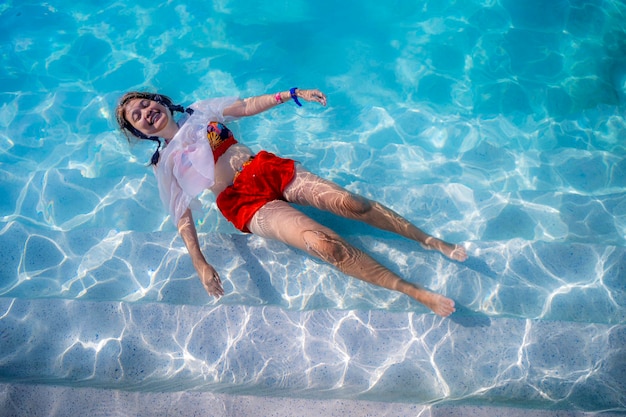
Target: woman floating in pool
[(254, 192)]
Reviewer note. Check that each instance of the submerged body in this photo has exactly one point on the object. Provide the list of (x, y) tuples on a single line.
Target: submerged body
[(256, 192)]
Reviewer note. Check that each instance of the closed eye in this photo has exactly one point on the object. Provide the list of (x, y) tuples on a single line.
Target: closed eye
[(135, 113)]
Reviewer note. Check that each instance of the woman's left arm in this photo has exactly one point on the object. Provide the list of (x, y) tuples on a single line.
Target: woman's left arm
[(208, 275), (258, 104)]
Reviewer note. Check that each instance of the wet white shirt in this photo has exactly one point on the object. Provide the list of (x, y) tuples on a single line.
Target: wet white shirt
[(186, 166)]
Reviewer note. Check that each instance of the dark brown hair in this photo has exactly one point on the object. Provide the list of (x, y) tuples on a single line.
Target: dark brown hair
[(129, 130)]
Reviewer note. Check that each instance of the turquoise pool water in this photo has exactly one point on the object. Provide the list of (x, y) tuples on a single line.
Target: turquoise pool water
[(495, 123)]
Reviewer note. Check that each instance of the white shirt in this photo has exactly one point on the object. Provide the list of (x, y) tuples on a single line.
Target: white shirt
[(186, 166)]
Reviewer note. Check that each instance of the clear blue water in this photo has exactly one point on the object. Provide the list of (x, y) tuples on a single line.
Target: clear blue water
[(495, 123)]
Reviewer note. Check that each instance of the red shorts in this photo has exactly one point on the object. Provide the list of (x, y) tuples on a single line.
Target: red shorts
[(263, 180)]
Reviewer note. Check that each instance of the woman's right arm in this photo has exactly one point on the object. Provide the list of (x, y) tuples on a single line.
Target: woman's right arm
[(207, 274)]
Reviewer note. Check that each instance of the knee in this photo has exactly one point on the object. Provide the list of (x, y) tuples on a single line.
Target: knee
[(331, 249), (355, 204)]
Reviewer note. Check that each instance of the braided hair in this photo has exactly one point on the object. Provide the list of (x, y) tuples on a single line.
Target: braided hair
[(129, 130)]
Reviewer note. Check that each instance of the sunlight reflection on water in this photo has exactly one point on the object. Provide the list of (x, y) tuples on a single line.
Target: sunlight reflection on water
[(484, 122)]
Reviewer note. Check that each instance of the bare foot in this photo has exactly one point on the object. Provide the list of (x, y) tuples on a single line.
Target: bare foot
[(457, 253), (454, 252), (440, 305)]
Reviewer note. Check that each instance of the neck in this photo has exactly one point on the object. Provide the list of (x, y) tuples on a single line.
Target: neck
[(169, 132)]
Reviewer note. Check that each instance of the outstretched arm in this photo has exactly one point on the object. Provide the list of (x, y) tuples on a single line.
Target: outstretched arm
[(258, 104), (208, 275)]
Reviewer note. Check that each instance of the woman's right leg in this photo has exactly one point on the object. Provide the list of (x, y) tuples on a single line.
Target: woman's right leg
[(309, 189), (280, 221)]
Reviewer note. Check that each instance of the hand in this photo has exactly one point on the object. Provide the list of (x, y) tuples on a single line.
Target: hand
[(312, 95), (211, 280)]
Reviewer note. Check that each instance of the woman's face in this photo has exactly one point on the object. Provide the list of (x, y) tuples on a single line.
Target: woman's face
[(147, 116)]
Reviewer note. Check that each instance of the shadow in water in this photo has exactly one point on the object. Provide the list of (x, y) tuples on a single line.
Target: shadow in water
[(469, 318), (480, 266), (258, 274)]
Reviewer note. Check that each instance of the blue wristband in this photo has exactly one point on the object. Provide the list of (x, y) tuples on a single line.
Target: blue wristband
[(294, 96)]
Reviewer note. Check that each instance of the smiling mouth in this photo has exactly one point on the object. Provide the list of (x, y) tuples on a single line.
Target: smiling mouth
[(154, 117)]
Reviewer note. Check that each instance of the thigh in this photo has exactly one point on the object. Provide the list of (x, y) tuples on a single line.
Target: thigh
[(280, 221), (308, 189)]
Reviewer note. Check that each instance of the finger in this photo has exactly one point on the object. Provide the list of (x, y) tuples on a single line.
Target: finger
[(217, 284), (317, 96), (219, 291), (213, 289), (216, 291), (322, 97)]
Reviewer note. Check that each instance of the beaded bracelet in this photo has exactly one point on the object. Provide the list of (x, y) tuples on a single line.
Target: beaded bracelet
[(278, 98)]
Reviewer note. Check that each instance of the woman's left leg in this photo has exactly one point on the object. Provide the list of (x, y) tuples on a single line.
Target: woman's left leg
[(309, 189), (280, 221)]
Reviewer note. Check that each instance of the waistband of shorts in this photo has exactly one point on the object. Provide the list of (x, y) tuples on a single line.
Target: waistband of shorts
[(242, 167)]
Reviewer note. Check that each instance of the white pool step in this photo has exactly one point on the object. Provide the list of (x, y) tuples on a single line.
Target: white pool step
[(22, 400), (355, 355)]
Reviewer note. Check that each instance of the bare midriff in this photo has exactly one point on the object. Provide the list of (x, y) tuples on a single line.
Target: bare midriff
[(228, 165)]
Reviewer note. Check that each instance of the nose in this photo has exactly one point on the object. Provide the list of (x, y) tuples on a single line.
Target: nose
[(145, 114)]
